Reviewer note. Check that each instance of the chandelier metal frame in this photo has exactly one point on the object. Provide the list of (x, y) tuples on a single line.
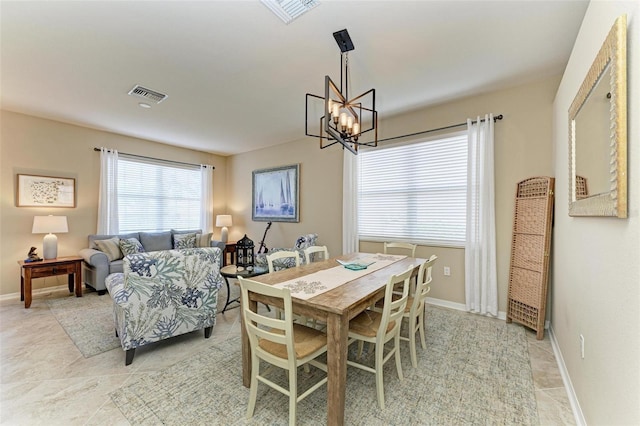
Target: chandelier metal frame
[(345, 120)]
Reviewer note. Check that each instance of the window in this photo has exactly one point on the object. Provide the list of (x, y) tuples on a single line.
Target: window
[(414, 192), (157, 195)]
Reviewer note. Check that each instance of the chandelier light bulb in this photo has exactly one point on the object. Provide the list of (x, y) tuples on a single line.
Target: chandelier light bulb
[(343, 120), (330, 107), (349, 124), (356, 128)]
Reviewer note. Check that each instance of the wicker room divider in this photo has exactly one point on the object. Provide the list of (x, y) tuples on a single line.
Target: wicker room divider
[(530, 245)]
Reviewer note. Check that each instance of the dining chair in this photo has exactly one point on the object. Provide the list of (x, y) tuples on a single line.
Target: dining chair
[(281, 343), (309, 255), (309, 251), (401, 246), (381, 327), (283, 258), (414, 311)]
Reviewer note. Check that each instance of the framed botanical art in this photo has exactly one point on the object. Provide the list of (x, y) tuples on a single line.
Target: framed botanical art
[(46, 191), (275, 194)]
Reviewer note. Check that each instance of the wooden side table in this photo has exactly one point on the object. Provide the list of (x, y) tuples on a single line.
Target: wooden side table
[(69, 265), (230, 248)]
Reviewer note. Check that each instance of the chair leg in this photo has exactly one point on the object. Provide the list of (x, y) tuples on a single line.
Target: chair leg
[(397, 355), (129, 353), (207, 332), (253, 388), (412, 343), (360, 348), (293, 395), (423, 340), (379, 373)]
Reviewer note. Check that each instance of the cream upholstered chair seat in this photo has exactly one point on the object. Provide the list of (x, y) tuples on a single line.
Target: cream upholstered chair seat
[(280, 343), (381, 327)]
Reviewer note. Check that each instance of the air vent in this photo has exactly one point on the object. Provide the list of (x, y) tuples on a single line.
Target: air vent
[(288, 10), (148, 94)]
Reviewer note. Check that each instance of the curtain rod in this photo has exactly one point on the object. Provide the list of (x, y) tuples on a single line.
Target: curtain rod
[(496, 118), (160, 159)]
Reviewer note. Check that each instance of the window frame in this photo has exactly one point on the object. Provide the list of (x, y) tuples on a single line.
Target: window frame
[(134, 159), (420, 241)]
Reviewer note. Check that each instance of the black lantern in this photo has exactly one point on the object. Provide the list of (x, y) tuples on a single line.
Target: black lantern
[(244, 253)]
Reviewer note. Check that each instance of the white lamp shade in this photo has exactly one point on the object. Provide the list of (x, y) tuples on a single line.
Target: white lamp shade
[(224, 220), (49, 224)]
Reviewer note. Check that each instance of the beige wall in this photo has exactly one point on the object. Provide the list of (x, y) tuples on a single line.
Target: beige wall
[(596, 273), (36, 146), (523, 149)]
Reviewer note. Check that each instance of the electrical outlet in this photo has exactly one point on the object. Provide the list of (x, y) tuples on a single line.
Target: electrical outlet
[(582, 346), (447, 271)]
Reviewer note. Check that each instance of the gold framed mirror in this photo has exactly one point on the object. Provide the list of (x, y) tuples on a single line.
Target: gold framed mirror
[(598, 132)]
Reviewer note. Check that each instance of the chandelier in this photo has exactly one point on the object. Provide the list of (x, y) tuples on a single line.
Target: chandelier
[(342, 119)]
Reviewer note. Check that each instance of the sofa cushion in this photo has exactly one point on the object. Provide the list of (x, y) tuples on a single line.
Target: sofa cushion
[(110, 247), (182, 241), (204, 240), (95, 237), (131, 246), (115, 266), (156, 241)]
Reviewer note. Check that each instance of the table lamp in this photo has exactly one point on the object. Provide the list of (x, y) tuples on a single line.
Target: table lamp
[(48, 225), (224, 220)]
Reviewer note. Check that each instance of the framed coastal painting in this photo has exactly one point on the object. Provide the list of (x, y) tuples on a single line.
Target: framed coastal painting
[(46, 191), (276, 194)]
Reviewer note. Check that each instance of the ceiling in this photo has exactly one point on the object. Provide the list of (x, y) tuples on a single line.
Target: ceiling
[(236, 76)]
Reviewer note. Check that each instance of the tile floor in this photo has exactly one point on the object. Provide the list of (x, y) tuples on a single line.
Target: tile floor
[(44, 379)]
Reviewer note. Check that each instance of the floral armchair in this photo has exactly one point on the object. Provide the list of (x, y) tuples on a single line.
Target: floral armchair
[(301, 243), (164, 294)]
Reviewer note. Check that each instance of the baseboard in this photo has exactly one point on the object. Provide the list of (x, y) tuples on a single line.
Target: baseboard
[(573, 399), (16, 296), (458, 306)]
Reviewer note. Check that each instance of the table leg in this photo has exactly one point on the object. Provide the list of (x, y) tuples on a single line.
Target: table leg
[(21, 287), (246, 347), (27, 288), (226, 305), (337, 339), (78, 281), (70, 281)]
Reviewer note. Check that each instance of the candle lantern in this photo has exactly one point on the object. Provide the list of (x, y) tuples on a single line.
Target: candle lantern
[(244, 253)]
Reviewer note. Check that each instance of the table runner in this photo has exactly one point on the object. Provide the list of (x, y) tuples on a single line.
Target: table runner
[(316, 283)]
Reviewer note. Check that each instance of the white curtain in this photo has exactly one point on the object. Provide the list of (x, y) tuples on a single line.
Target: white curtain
[(108, 194), (481, 284), (350, 242), (206, 210)]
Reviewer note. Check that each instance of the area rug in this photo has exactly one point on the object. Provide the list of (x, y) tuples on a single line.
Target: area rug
[(475, 371), (88, 320)]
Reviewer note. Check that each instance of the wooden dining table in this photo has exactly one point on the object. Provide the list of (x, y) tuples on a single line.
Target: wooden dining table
[(335, 307)]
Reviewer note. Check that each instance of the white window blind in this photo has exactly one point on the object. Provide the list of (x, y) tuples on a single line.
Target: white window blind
[(157, 195), (414, 192)]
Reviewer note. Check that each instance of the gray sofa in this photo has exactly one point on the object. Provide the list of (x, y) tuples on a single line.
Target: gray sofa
[(97, 264)]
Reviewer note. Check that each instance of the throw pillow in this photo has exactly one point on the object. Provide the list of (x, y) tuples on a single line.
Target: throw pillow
[(183, 241), (110, 247), (204, 240), (131, 246)]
